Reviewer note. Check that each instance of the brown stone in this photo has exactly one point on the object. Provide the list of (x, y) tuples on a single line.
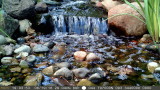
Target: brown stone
[(126, 24), (92, 57)]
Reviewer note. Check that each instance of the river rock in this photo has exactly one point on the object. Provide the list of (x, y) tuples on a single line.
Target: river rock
[(63, 64), (9, 49), (152, 66), (65, 72), (48, 71), (2, 40), (125, 24), (22, 55), (157, 70), (95, 78), (8, 24), (80, 72), (92, 57), (23, 48), (85, 82), (6, 60), (31, 58), (41, 7), (24, 25), (80, 55), (40, 48), (23, 64), (32, 82), (6, 83), (16, 69), (20, 9)]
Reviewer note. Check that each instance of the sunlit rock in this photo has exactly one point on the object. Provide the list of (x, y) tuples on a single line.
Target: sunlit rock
[(23, 48), (63, 64), (80, 55), (6, 60), (16, 69), (48, 71), (31, 58), (92, 57), (152, 66), (23, 64)]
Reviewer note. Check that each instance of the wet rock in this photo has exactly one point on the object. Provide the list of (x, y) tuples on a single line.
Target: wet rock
[(31, 58), (143, 76), (152, 66), (80, 55), (63, 64), (24, 25), (41, 7), (59, 50), (65, 72), (157, 70), (99, 71), (85, 82), (16, 69), (22, 55), (92, 57), (6, 83), (20, 9), (151, 47), (23, 48), (39, 77), (145, 38), (6, 60), (8, 24), (2, 40), (125, 24), (48, 71), (81, 72), (95, 78), (50, 44), (26, 70), (32, 82), (40, 48), (9, 49), (142, 45), (15, 62), (21, 40), (23, 64)]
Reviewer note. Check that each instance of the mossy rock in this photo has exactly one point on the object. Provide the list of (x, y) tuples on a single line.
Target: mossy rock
[(8, 24)]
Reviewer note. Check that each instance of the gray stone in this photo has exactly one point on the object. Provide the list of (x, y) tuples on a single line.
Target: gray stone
[(23, 64), (31, 58), (2, 40), (40, 48), (41, 7), (23, 48), (6, 60), (9, 49), (65, 72), (20, 9), (95, 78), (63, 64), (8, 24), (81, 72), (24, 25)]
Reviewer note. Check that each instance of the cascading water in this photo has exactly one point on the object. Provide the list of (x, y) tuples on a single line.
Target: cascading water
[(80, 22)]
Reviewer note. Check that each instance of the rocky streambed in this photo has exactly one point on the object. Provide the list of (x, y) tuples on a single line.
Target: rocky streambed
[(75, 60)]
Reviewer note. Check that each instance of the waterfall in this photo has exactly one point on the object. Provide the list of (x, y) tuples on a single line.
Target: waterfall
[(78, 25)]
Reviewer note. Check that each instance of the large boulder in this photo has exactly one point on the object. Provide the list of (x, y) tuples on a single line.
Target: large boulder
[(126, 24), (19, 9), (8, 24)]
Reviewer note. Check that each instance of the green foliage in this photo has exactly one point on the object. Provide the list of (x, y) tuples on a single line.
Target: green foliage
[(151, 14)]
